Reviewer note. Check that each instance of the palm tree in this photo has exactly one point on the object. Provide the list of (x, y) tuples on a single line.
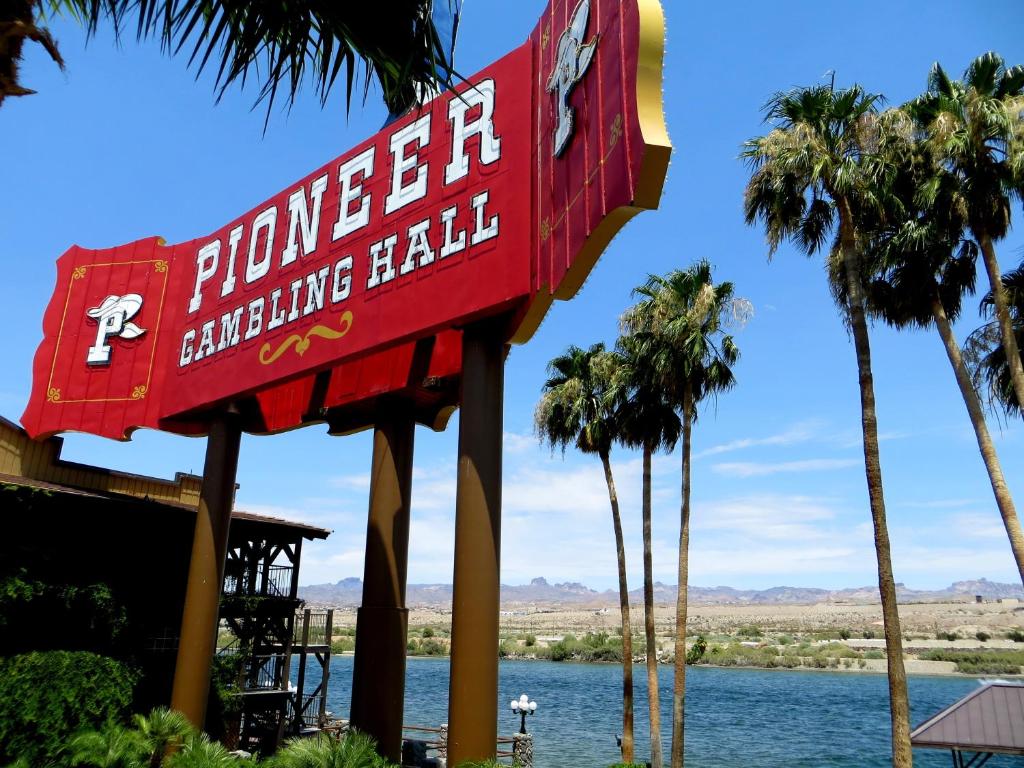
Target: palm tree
[(922, 274), (161, 730), (356, 750), (810, 174), (396, 43), (647, 420), (576, 408), (682, 315), (974, 128), (199, 751), (984, 350), (111, 747)]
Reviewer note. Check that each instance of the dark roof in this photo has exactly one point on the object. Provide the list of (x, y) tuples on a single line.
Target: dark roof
[(308, 531), (989, 719)]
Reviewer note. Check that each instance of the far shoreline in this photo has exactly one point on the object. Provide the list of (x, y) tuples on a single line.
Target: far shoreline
[(870, 670)]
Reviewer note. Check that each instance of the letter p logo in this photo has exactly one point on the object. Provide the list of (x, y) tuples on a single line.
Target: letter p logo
[(112, 317)]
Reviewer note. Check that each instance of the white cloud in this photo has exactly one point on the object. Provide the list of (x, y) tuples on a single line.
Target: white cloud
[(516, 443), (799, 433), (938, 503), (355, 482), (977, 525), (760, 469)]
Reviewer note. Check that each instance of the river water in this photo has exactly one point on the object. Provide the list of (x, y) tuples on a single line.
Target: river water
[(735, 718)]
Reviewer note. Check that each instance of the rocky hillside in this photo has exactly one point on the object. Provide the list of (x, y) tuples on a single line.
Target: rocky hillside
[(539, 592)]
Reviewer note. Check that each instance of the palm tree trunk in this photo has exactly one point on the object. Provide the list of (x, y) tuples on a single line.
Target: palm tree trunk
[(653, 704), (627, 628), (679, 681), (988, 451), (899, 704), (1001, 304)]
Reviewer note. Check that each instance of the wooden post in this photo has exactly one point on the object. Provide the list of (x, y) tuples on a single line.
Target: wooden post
[(199, 618), (473, 692), (300, 682), (326, 671), (378, 676)]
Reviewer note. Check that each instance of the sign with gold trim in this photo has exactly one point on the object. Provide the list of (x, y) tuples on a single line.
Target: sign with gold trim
[(493, 199)]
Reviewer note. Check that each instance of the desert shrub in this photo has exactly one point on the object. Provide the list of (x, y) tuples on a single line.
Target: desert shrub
[(950, 636), (507, 648), (343, 645), (983, 637), (431, 647), (874, 654), (427, 633), (784, 640), (750, 630), (45, 697), (844, 634), (529, 641), (697, 651), (985, 662), (559, 651), (868, 634), (861, 663), (1015, 635)]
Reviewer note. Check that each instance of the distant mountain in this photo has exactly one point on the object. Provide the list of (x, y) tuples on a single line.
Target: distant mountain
[(539, 592)]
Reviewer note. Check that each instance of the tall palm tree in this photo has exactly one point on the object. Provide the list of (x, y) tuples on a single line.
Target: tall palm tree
[(810, 174), (647, 420), (975, 129), (921, 273), (682, 316), (396, 43), (576, 408), (984, 350)]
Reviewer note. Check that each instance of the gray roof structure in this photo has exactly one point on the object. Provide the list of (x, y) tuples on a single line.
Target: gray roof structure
[(987, 720)]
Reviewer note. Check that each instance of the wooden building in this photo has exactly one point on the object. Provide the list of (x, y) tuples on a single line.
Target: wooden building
[(75, 524)]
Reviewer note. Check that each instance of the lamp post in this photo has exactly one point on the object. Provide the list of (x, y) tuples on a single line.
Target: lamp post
[(523, 707)]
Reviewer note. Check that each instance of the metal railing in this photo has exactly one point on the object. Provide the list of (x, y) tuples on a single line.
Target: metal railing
[(317, 628), (310, 705), (269, 581)]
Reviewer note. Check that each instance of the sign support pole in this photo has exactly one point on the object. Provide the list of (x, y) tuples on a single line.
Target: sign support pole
[(206, 570), (378, 677), (473, 692)]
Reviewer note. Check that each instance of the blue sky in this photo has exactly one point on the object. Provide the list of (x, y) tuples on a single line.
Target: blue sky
[(127, 144)]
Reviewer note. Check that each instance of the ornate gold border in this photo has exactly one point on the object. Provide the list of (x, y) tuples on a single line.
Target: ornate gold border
[(651, 178), (139, 391)]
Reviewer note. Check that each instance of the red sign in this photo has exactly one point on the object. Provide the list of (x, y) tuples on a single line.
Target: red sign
[(493, 199)]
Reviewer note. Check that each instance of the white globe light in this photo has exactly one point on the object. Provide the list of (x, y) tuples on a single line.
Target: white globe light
[(515, 705), (524, 701), (533, 706)]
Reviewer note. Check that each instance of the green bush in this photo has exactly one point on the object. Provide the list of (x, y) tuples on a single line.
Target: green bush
[(427, 633), (343, 645), (983, 637), (529, 641), (985, 662), (868, 634), (1015, 635), (950, 636), (874, 654), (749, 631), (45, 697), (697, 651), (844, 634)]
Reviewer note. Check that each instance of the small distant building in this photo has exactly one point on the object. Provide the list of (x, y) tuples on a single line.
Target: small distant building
[(80, 524)]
